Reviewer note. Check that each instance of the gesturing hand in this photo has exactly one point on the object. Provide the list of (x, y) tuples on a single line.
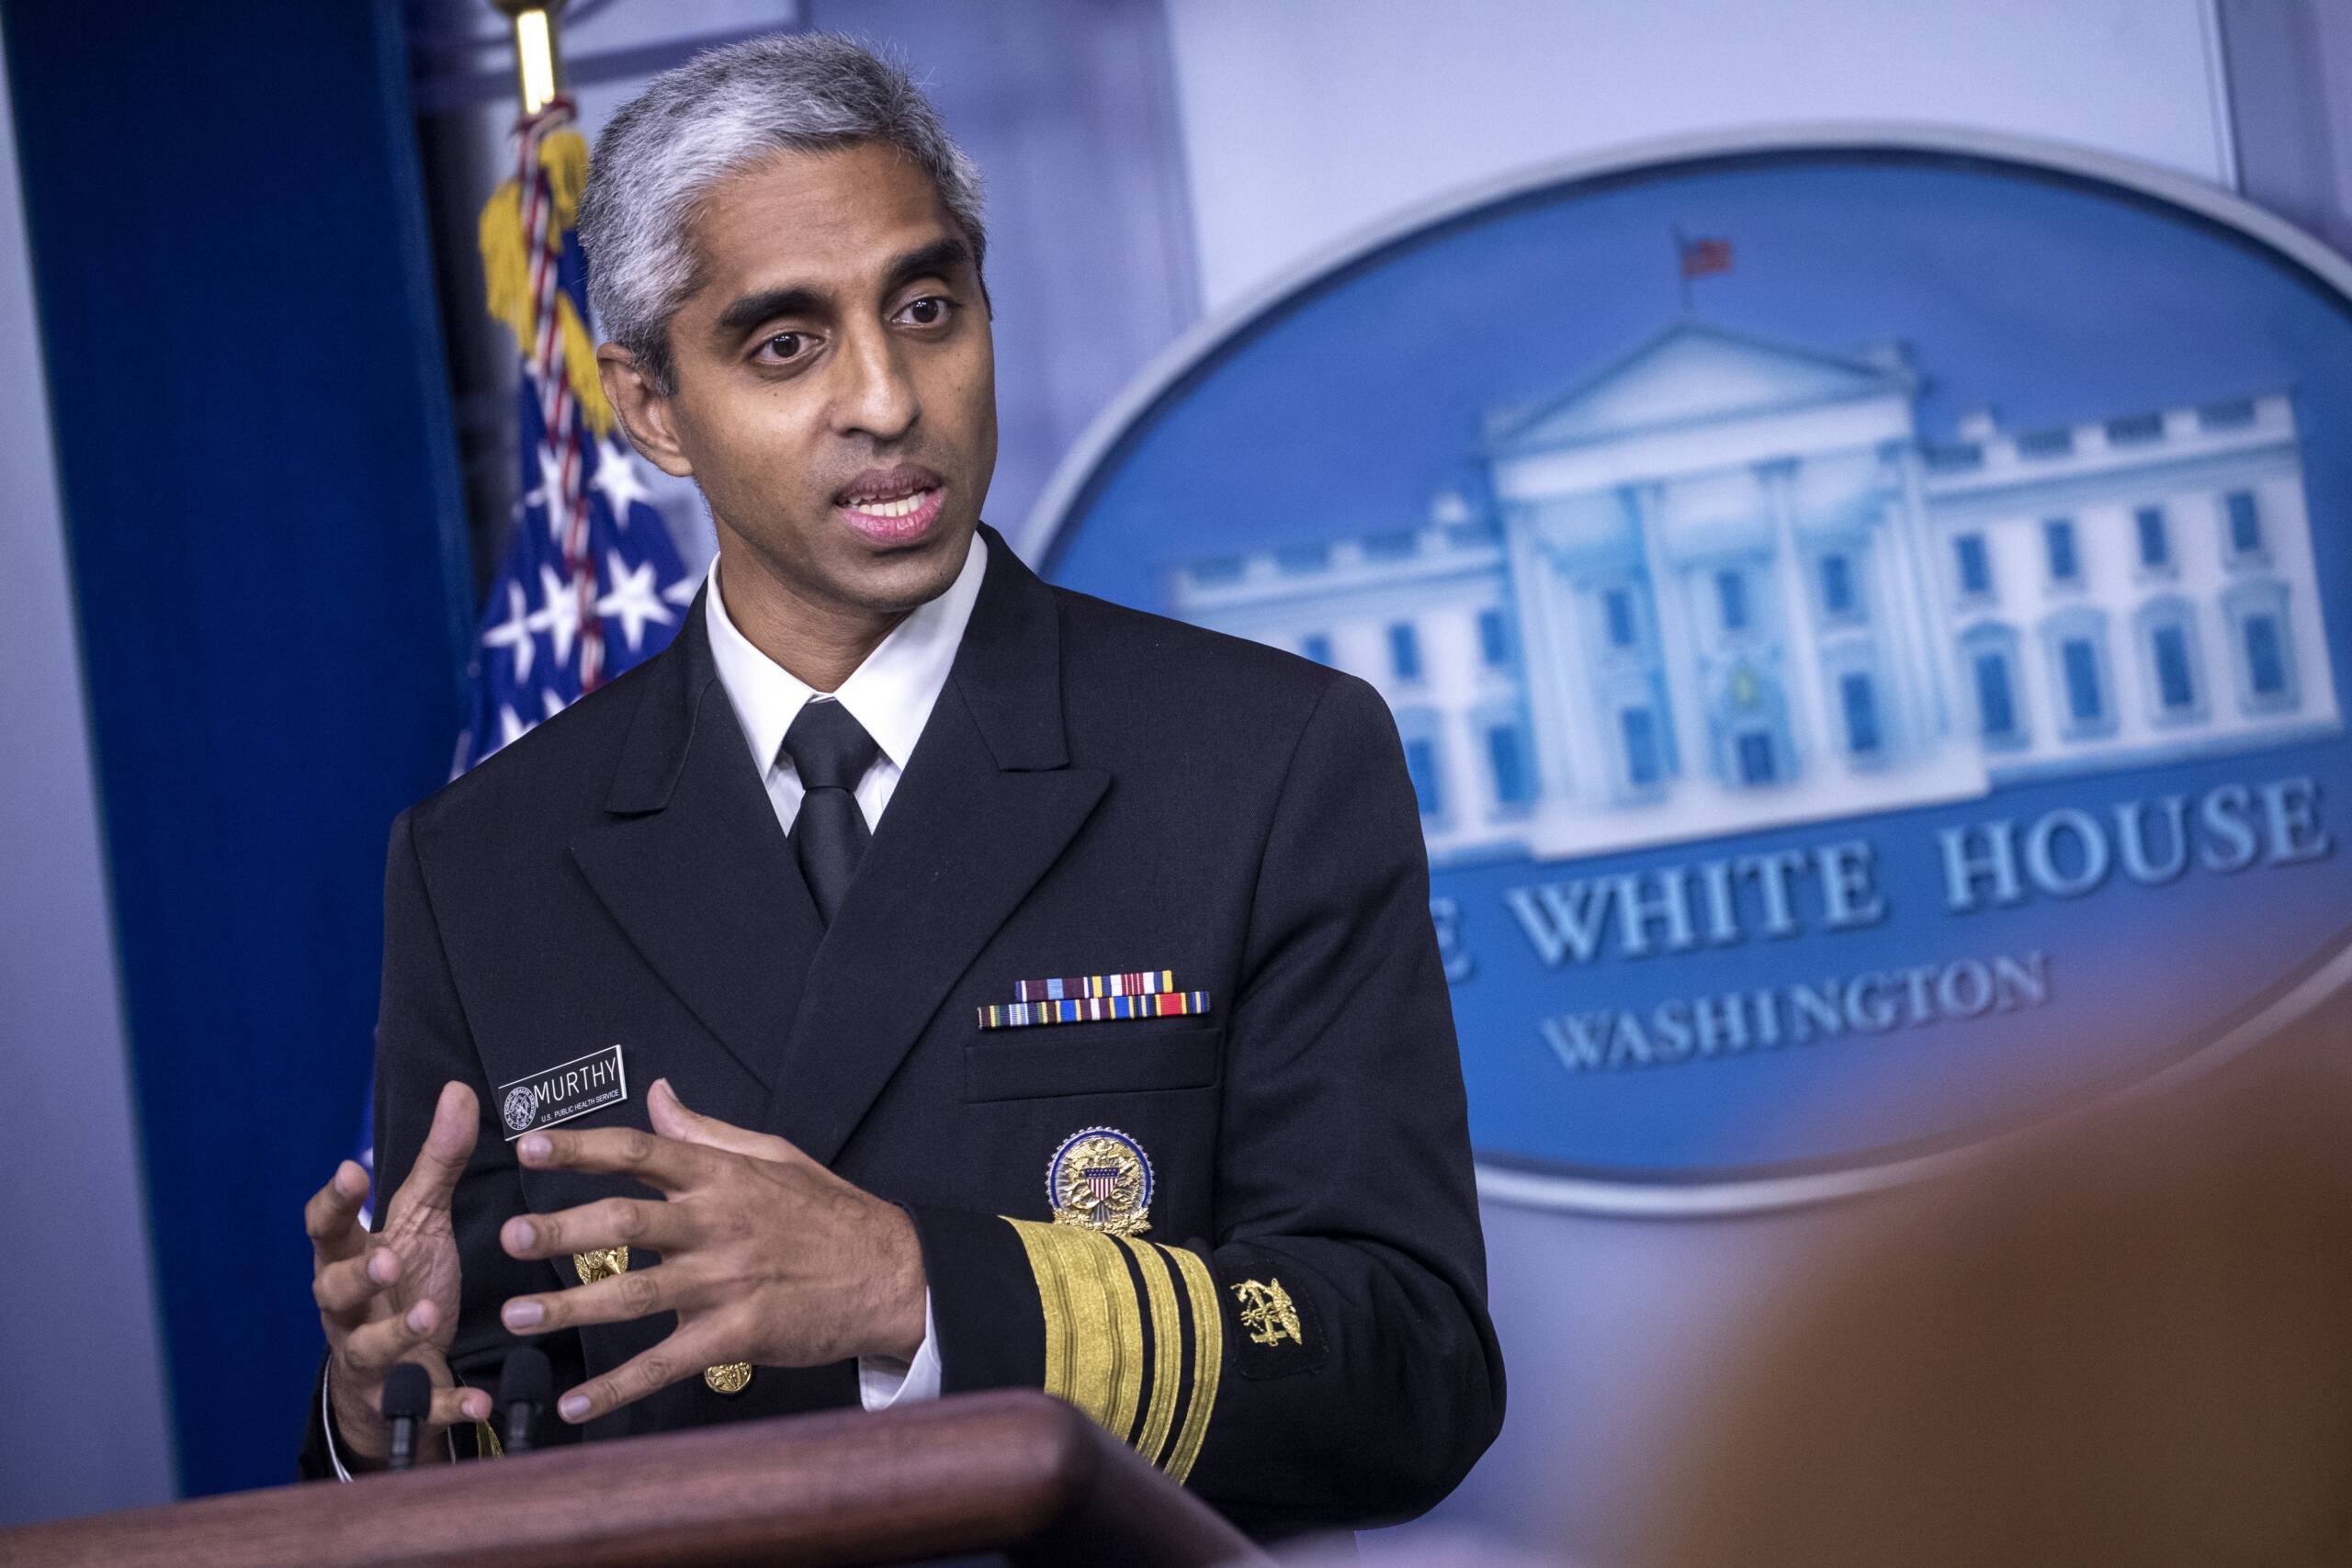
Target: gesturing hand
[(766, 1255), (392, 1296)]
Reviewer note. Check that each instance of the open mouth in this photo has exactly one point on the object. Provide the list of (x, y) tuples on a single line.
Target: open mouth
[(895, 506), (904, 506)]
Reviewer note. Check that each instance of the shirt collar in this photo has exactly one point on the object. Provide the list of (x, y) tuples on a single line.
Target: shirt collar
[(890, 695)]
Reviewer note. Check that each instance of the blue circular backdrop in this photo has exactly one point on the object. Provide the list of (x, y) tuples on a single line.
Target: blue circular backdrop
[(1836, 585)]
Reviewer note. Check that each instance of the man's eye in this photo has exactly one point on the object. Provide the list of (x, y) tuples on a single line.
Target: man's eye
[(784, 346), (928, 312)]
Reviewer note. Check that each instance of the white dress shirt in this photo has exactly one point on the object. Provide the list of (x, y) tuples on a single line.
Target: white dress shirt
[(891, 696)]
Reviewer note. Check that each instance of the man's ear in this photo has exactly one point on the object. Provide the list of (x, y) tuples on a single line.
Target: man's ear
[(644, 409)]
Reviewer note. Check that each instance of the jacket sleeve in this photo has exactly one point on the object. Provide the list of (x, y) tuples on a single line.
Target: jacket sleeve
[(1335, 1363), (422, 1042)]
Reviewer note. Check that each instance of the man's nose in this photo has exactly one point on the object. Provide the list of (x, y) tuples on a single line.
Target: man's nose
[(878, 395)]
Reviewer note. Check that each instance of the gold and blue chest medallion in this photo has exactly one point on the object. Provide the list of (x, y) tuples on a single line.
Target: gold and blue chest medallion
[(1100, 1179)]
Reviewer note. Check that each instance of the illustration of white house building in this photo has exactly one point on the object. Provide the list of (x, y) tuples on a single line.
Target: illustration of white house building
[(1724, 584)]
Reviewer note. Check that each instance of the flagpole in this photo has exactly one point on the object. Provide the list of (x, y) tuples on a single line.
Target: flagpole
[(538, 63), (524, 237)]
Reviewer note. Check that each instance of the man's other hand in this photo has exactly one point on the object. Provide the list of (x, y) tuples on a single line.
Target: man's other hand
[(766, 1255), (392, 1296)]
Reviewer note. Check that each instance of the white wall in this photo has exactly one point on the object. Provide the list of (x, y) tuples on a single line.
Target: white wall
[(1307, 119), (82, 1425)]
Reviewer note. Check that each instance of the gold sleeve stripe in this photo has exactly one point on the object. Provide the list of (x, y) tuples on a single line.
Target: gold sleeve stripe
[(1095, 1351), (1126, 1333), (1167, 1349), (1208, 1359), (1094, 1331)]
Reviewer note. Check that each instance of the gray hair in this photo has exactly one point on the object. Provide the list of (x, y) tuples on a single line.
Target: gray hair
[(698, 123)]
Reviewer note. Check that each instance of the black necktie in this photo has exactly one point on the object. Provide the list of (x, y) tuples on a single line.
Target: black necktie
[(831, 751)]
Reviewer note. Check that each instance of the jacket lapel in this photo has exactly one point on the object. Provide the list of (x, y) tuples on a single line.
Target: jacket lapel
[(988, 803), (694, 867)]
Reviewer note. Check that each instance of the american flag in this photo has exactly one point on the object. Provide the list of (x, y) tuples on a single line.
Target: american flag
[(591, 583)]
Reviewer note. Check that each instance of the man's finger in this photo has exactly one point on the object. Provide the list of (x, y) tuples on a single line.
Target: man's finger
[(608, 1222), (344, 1288), (448, 1144), (617, 1298), (451, 1405), (370, 1348), (673, 1120), (676, 1357), (663, 1163), (332, 1216)]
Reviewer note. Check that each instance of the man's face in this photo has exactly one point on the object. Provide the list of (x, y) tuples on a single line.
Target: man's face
[(836, 379)]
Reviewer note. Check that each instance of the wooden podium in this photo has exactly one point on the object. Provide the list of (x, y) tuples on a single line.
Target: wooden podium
[(1015, 1472)]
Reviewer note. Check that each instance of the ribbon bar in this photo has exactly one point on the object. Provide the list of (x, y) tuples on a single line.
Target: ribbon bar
[(1087, 1009), (1144, 983)]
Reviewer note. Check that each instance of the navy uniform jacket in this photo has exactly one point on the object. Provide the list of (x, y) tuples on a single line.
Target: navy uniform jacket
[(1097, 791)]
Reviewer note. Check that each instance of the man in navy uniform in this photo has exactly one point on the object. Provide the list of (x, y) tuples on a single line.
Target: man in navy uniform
[(917, 978)]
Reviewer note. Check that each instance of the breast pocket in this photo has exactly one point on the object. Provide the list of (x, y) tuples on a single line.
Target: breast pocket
[(1112, 1058)]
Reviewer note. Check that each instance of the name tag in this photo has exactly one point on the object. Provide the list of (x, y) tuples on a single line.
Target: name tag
[(559, 1094)]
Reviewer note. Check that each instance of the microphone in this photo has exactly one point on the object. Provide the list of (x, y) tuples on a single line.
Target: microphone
[(408, 1401), (526, 1387)]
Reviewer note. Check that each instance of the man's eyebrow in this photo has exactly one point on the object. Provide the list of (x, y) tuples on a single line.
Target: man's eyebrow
[(766, 305), (937, 259)]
